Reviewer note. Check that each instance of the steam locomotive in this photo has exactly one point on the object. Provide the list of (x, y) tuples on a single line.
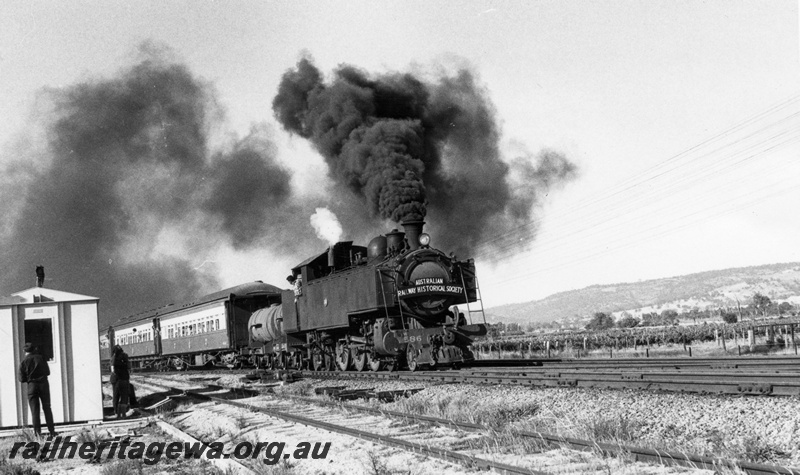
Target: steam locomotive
[(390, 305)]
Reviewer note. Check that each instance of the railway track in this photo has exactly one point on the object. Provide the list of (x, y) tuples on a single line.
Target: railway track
[(775, 376), (736, 376), (783, 384), (350, 425), (306, 411), (774, 363)]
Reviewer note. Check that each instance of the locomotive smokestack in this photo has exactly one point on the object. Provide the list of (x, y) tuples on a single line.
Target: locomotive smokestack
[(413, 230), (39, 276)]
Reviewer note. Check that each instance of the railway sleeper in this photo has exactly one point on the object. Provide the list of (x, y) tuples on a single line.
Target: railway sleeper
[(632, 376), (754, 388)]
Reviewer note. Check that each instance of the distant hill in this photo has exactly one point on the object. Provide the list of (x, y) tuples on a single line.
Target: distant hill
[(715, 289)]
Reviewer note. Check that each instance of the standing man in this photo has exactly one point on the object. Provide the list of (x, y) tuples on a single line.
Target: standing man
[(120, 380), (34, 371)]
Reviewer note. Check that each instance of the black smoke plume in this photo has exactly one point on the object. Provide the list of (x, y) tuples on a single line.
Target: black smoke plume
[(126, 160), (411, 149)]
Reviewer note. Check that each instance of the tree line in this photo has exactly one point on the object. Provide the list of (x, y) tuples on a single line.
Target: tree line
[(604, 331)]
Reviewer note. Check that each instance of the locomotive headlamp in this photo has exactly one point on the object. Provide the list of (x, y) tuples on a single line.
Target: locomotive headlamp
[(424, 239)]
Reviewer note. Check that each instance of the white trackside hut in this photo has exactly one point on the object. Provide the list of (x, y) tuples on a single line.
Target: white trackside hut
[(64, 327)]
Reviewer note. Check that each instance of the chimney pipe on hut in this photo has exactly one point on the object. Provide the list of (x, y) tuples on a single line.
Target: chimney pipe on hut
[(39, 276)]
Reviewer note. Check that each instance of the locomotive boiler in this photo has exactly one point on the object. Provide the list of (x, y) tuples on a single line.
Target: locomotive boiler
[(392, 304)]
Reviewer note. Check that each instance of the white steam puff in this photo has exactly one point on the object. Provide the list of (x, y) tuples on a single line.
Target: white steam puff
[(326, 225)]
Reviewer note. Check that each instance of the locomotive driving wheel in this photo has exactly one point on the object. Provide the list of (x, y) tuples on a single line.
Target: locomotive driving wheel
[(342, 356), (373, 362), (411, 358), (317, 360), (392, 364), (359, 359), (330, 358)]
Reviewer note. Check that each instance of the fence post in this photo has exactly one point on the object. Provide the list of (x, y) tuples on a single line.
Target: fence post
[(751, 337), (794, 343), (690, 352), (723, 339), (547, 345), (647, 352)]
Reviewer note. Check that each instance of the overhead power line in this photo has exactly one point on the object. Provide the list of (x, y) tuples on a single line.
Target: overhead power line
[(715, 160)]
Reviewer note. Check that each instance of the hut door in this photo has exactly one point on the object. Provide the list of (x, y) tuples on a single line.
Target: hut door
[(41, 327)]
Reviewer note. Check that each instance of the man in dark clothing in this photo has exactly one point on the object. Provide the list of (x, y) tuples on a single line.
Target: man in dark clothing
[(34, 371), (120, 380)]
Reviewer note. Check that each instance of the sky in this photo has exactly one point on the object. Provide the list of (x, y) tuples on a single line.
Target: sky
[(675, 126)]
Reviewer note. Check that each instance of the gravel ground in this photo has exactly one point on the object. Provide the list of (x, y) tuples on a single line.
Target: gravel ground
[(351, 455), (759, 429), (756, 428)]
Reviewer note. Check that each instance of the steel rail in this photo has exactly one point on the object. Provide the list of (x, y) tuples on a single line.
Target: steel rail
[(778, 384), (727, 362), (439, 453)]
